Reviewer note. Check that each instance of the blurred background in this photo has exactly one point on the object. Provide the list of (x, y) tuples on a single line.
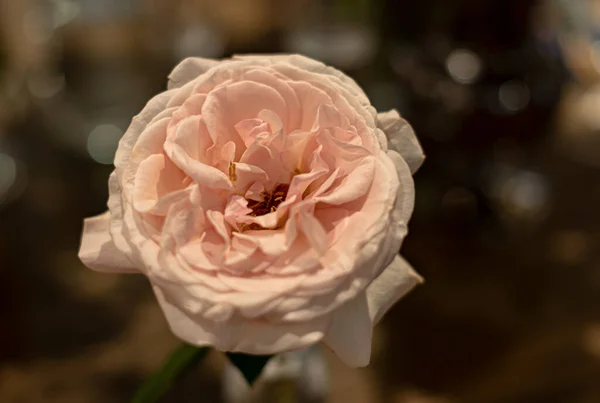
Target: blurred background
[(505, 98)]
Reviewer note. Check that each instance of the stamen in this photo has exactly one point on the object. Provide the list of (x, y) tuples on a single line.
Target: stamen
[(232, 172), (270, 202)]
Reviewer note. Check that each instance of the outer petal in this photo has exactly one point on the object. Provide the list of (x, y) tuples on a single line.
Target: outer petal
[(308, 64), (401, 138), (350, 333), (391, 285), (239, 334), (188, 70), (139, 123), (97, 250)]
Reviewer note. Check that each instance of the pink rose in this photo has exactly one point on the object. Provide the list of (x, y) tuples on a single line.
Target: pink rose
[(266, 201)]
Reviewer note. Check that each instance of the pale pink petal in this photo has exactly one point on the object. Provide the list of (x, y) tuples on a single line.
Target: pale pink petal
[(194, 255), (139, 123), (382, 139), (295, 147), (217, 220), (329, 117), (301, 182), (241, 264), (286, 92), (340, 150), (334, 220), (191, 136), (336, 84), (300, 258), (401, 138), (230, 104), (391, 285), (183, 93), (188, 70), (347, 135), (379, 201), (181, 325), (202, 173), (249, 129), (149, 142), (240, 252), (156, 177), (310, 98), (350, 333), (227, 153), (272, 118), (192, 106), (353, 186), (266, 284), (116, 212), (305, 63), (249, 177), (236, 207), (165, 202), (405, 199), (243, 245), (270, 242), (179, 224), (97, 250), (255, 192), (238, 334), (269, 161), (314, 232)]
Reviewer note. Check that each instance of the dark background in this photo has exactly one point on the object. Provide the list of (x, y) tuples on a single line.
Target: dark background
[(503, 96)]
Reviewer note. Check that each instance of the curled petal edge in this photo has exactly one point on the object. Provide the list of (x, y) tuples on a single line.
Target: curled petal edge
[(401, 138), (97, 249)]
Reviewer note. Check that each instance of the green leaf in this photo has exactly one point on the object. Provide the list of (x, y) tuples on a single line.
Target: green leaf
[(250, 365), (181, 360)]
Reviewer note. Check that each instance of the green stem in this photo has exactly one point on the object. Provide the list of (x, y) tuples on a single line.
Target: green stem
[(181, 360)]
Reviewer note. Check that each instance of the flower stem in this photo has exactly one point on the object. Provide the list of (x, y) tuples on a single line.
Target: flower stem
[(181, 360)]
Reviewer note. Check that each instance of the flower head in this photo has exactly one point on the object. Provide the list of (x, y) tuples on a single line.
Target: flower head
[(266, 201)]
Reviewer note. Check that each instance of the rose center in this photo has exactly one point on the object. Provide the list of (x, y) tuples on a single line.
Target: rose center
[(270, 201)]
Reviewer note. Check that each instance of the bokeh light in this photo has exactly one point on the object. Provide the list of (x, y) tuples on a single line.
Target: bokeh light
[(464, 66), (514, 96), (102, 143)]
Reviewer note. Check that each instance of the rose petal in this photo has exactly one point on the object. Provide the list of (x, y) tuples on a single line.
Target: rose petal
[(139, 123), (314, 232), (188, 70), (391, 285), (329, 117), (401, 138), (353, 186), (237, 334), (249, 178), (311, 99), (156, 177), (194, 255), (97, 250), (405, 199), (249, 129), (285, 90), (236, 207), (350, 333), (202, 173), (230, 104)]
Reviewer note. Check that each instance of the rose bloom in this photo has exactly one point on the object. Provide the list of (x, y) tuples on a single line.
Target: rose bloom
[(266, 201)]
